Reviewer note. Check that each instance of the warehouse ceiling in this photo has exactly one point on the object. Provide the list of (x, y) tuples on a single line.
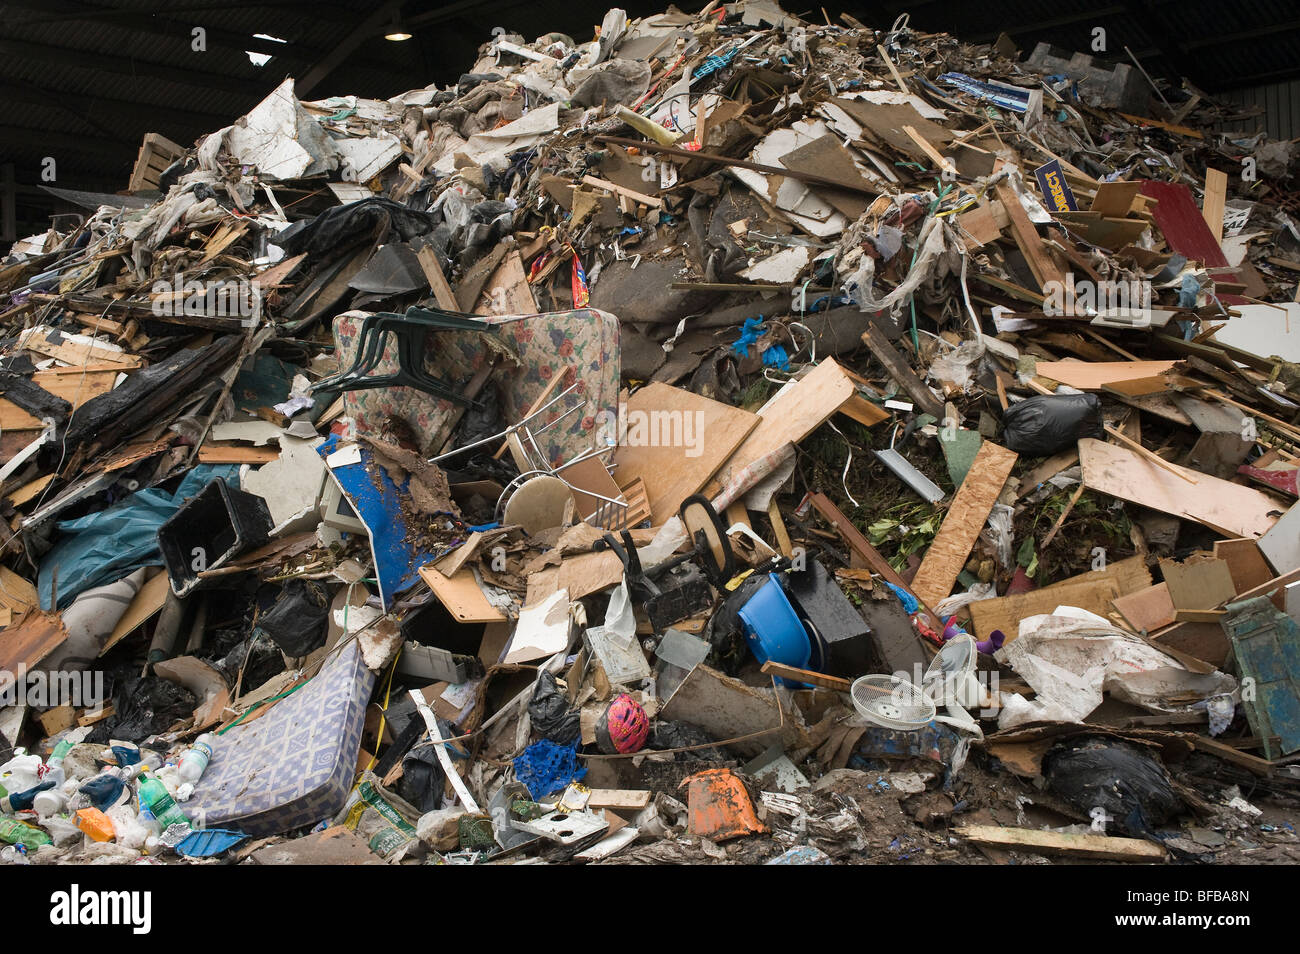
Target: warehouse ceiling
[(82, 82)]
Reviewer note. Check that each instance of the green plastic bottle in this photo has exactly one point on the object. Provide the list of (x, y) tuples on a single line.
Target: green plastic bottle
[(16, 833), (154, 795)]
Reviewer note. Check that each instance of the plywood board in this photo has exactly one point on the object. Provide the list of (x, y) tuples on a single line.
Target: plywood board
[(979, 226), (1229, 508), (963, 522), (794, 413), (675, 440), (1094, 375), (1006, 612), (462, 596), (1115, 199), (826, 157), (75, 389), (31, 491), (1245, 562), (1147, 610)]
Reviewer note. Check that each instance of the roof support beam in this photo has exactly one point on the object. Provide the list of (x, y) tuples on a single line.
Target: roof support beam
[(130, 66), (364, 30)]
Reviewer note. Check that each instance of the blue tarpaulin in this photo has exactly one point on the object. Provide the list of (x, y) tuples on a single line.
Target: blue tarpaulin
[(103, 547)]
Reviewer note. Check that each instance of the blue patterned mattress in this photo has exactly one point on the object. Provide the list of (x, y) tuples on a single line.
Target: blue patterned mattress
[(296, 764)]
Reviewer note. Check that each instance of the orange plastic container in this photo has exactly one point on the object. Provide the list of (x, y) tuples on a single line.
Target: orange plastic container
[(96, 824)]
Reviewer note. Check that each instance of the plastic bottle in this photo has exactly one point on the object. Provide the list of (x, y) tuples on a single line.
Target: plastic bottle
[(192, 765), (16, 833), (129, 773), (154, 796)]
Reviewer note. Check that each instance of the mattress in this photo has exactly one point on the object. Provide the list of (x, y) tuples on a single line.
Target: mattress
[(293, 766)]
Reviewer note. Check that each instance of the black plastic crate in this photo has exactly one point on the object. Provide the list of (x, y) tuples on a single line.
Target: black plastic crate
[(215, 525)]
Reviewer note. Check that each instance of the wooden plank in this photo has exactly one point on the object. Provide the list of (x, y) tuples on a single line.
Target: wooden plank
[(30, 491), (1092, 847), (29, 641), (1231, 509), (862, 547), (1216, 194), (507, 289), (889, 61), (965, 519), (979, 226), (451, 564), (222, 238), (941, 162), (1146, 610), (90, 718), (1252, 763), (1199, 615), (1048, 468), (794, 413), (617, 189), (783, 543), (1161, 124), (218, 452), (75, 353), (901, 371), (147, 602), (54, 721), (1093, 375), (771, 668), (16, 593), (675, 441), (1040, 262), (442, 292), (462, 596)]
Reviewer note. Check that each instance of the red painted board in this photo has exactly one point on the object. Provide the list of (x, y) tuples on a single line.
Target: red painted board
[(1180, 220)]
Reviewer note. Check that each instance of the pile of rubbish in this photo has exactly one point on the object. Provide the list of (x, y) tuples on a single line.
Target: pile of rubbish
[(732, 438)]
